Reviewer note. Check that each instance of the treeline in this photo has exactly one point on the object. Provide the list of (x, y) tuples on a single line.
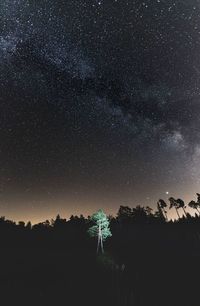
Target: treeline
[(139, 215)]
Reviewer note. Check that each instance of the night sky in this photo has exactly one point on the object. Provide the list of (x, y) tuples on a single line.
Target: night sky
[(99, 105)]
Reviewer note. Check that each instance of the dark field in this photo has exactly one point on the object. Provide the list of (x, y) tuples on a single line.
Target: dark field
[(143, 264)]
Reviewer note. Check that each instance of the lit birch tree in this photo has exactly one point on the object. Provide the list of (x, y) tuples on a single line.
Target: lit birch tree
[(101, 228)]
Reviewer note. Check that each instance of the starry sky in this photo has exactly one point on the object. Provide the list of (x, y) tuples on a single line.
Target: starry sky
[(99, 105)]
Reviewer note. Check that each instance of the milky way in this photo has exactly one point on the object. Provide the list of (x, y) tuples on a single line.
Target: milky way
[(99, 104)]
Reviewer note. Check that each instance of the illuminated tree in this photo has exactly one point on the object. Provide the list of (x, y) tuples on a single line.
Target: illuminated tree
[(101, 228)]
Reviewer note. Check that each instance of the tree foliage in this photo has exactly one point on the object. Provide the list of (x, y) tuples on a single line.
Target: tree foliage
[(101, 221)]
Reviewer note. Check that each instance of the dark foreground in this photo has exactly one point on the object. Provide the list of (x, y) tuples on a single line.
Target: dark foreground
[(150, 265)]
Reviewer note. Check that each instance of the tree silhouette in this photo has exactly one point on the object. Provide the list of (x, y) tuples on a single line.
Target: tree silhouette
[(100, 229), (124, 215), (141, 214), (181, 204), (59, 223), (194, 205), (28, 225), (21, 224), (198, 201), (198, 198), (173, 203), (162, 205)]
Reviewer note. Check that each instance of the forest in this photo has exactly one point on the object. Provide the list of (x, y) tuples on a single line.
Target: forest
[(147, 260)]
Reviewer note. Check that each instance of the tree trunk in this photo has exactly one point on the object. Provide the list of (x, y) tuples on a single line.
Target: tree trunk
[(165, 214), (197, 210), (177, 212), (102, 250), (184, 211), (99, 238)]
